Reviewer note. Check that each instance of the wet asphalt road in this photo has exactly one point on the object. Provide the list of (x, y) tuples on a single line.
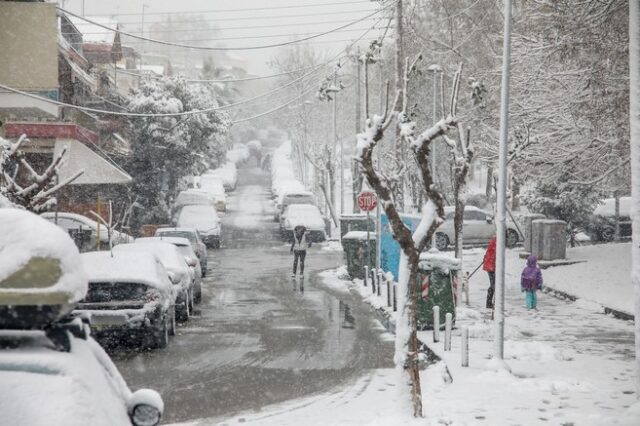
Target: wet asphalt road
[(256, 338)]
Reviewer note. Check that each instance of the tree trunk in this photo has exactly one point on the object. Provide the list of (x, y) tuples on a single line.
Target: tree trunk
[(489, 188)]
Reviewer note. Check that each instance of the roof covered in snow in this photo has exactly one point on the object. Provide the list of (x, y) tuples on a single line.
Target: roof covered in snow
[(139, 267)]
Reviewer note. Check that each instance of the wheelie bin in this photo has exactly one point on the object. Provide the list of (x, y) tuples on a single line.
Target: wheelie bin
[(358, 253), (436, 287)]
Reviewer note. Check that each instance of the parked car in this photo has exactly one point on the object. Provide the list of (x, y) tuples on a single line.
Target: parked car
[(284, 188), (61, 375), (296, 197), (478, 228), (72, 222), (192, 197), (177, 271), (602, 226), (194, 238), (214, 186), (203, 218), (306, 215), (130, 297), (229, 175), (190, 258)]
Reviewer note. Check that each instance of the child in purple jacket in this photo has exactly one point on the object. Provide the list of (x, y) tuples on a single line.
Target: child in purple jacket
[(531, 281)]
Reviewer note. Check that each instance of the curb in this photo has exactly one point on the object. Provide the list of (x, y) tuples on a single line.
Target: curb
[(559, 294)]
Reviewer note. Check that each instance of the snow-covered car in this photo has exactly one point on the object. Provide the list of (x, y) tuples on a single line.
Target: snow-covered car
[(60, 375), (215, 187), (41, 278), (602, 224), (177, 271), (73, 222), (239, 154), (306, 215), (203, 218), (190, 257), (42, 386), (229, 175), (194, 238), (284, 188), (130, 297), (296, 197), (192, 197), (478, 228)]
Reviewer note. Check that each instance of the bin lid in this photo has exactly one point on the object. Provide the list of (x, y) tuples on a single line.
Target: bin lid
[(445, 262), (359, 235)]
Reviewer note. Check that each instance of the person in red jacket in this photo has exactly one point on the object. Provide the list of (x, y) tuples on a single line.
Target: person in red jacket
[(489, 265)]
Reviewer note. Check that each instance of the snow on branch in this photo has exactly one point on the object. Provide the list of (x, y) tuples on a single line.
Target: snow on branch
[(30, 189)]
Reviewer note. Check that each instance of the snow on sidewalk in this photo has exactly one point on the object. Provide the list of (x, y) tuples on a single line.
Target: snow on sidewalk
[(568, 363)]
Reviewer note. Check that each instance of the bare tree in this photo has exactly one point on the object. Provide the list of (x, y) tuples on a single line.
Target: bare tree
[(35, 191), (406, 353)]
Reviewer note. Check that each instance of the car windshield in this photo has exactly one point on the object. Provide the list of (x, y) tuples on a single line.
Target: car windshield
[(180, 234), (118, 291)]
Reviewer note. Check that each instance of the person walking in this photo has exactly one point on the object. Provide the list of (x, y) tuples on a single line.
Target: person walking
[(531, 281), (489, 265), (299, 247)]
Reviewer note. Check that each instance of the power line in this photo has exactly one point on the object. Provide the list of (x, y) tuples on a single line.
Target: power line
[(191, 20), (228, 80), (278, 108), (215, 29), (254, 36), (168, 114), (338, 56), (298, 6), (227, 48)]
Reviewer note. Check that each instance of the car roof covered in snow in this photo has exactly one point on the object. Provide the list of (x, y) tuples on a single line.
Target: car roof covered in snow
[(176, 241), (307, 215), (198, 215), (26, 237), (167, 253), (176, 229), (40, 385), (139, 267)]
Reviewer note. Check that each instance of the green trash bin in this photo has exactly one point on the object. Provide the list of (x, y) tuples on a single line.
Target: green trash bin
[(436, 276), (357, 255), (356, 222)]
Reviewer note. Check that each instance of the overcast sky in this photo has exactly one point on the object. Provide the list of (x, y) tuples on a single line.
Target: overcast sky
[(279, 21)]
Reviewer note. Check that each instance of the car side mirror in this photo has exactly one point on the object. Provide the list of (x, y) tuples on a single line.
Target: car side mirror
[(190, 261), (489, 220), (145, 407)]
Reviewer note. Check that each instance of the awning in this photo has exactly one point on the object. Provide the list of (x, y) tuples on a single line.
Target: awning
[(97, 170)]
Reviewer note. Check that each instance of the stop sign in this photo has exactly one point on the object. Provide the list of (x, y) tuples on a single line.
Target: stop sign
[(367, 201)]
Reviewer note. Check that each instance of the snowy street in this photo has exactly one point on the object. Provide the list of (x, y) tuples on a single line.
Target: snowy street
[(255, 340)]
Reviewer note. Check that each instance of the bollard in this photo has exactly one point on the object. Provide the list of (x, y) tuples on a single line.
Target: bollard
[(436, 323), (464, 347), (379, 280), (447, 331), (395, 297), (373, 281), (366, 274), (388, 291)]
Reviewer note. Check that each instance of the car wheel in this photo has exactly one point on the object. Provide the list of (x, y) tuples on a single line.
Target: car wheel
[(512, 238), (198, 296), (442, 241), (172, 325), (191, 301), (183, 309), (161, 336)]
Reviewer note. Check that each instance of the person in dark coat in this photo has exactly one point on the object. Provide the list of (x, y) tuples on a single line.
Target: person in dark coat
[(299, 247), (489, 265), (531, 281)]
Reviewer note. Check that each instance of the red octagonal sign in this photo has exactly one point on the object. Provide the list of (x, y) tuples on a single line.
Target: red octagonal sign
[(367, 201)]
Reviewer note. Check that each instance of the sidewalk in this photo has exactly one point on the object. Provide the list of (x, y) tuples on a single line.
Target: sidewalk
[(565, 364)]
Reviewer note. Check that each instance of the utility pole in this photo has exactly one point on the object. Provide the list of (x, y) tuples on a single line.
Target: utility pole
[(502, 187), (144, 6), (354, 165), (335, 138)]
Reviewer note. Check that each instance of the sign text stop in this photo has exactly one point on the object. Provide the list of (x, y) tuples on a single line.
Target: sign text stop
[(367, 201)]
